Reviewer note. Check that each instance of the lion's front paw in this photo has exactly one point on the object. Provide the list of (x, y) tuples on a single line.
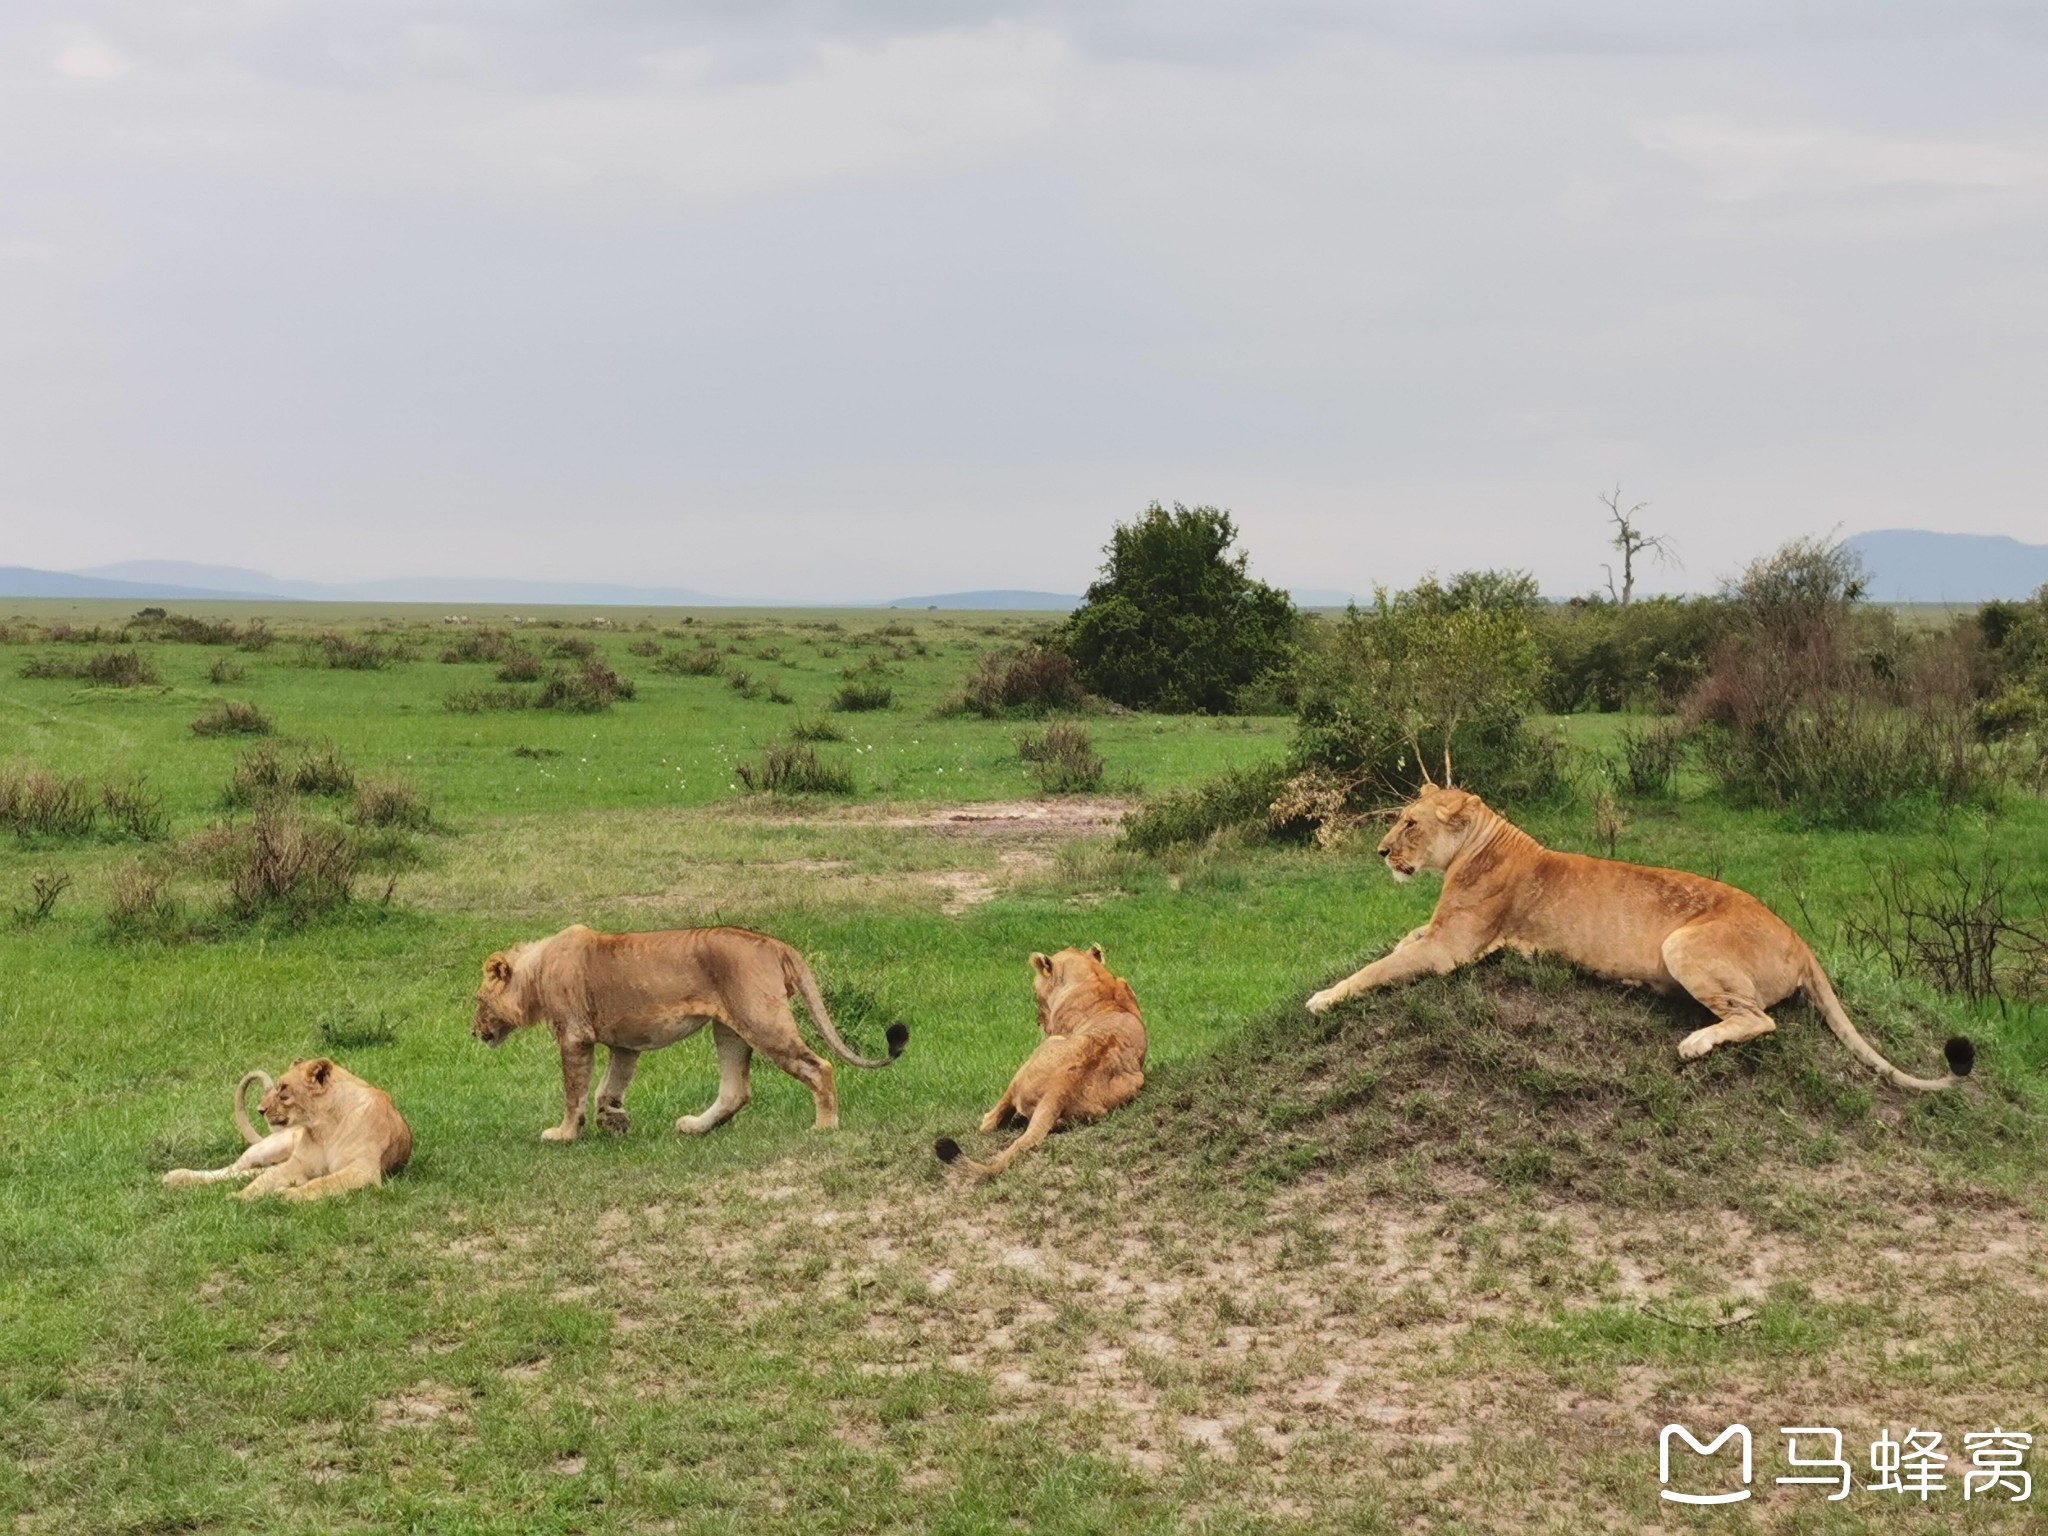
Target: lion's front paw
[(611, 1119), (1697, 1044), (1324, 1001), (559, 1133)]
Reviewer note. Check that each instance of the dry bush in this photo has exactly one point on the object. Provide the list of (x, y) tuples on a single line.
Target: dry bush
[(44, 887), (286, 864), (227, 671), (230, 717), (141, 905), (35, 803), (134, 810), (1062, 759), (1970, 926), (795, 770), (267, 774), (478, 701), (705, 661), (1035, 681), (1651, 756), (108, 669), (572, 648), (585, 692), (391, 803), (349, 653), (646, 647), (820, 729), (855, 698), (1320, 801), (519, 665), (479, 645)]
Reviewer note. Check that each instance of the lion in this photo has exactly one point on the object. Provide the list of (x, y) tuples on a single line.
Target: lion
[(637, 992), (1661, 928), (1092, 1060), (334, 1133)]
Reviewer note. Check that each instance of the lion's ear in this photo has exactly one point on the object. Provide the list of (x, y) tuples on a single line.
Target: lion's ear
[(498, 969), (319, 1072), (1043, 963), (1095, 953)]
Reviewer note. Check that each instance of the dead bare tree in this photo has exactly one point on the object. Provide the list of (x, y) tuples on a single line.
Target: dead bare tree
[(1631, 540)]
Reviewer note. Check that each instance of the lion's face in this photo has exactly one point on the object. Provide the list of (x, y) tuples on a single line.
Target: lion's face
[(1427, 833), (496, 1018), (292, 1095)]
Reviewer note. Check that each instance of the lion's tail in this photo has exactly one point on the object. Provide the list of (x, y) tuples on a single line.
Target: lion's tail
[(797, 974), (242, 1121), (1961, 1054), (1044, 1120)]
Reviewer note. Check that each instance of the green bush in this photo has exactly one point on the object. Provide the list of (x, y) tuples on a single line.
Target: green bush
[(1062, 759), (232, 718), (1176, 622), (795, 770), (1237, 797), (1034, 681), (856, 698), (1648, 655)]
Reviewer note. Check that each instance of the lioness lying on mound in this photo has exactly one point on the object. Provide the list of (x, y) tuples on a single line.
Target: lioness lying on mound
[(635, 992), (1091, 1062), (1660, 927), (334, 1133)]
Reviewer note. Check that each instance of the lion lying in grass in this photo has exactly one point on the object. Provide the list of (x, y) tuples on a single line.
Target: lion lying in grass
[(333, 1133), (637, 992), (1091, 1062), (1663, 928)]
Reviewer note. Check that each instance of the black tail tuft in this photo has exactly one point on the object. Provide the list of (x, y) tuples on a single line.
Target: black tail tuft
[(1961, 1054), (947, 1149), (898, 1036)]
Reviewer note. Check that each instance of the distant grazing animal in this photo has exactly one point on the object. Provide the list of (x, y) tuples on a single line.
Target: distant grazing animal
[(334, 1133), (635, 992), (1091, 1062), (1662, 928)]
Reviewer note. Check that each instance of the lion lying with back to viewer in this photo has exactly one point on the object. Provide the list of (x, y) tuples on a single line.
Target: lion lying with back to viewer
[(1091, 1062), (1663, 928), (637, 992), (333, 1133)]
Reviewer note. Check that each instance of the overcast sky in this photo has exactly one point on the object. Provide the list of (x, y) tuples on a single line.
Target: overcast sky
[(839, 302)]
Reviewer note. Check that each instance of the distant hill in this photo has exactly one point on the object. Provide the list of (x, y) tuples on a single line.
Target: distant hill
[(1911, 565), (1038, 602), (161, 577), (26, 581)]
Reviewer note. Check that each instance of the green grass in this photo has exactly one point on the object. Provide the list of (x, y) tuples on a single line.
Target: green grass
[(1317, 1261)]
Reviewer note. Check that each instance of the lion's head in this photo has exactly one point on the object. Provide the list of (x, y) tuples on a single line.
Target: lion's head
[(1070, 973), (1429, 831), (295, 1095), (497, 1012)]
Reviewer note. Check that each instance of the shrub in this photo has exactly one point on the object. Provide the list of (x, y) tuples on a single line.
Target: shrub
[(1035, 681), (646, 646), (1823, 707), (742, 683), (226, 671), (108, 669), (795, 770), (1176, 622), (1963, 926), (255, 636), (517, 664), (135, 810), (1647, 655), (1389, 692), (1062, 759), (478, 701), (232, 718), (586, 692), (855, 698), (572, 648), (820, 729), (266, 774), (1650, 757), (1237, 797), (703, 662), (286, 864), (44, 887), (349, 653), (185, 629), (34, 803), (141, 905), (487, 644), (391, 803)]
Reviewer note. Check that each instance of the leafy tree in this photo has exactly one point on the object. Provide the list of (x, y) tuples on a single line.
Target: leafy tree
[(1420, 674), (1176, 622)]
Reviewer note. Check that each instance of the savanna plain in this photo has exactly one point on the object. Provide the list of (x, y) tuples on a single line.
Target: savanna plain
[(1444, 1260)]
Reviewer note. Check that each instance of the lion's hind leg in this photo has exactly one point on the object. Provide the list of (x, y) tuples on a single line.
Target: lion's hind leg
[(735, 1059), (273, 1149), (365, 1175), (1723, 986)]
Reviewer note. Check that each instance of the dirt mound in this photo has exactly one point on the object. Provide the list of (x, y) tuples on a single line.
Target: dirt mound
[(1522, 1073)]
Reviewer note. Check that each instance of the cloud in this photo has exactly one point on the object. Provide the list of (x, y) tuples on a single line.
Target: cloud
[(88, 58), (1742, 164)]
